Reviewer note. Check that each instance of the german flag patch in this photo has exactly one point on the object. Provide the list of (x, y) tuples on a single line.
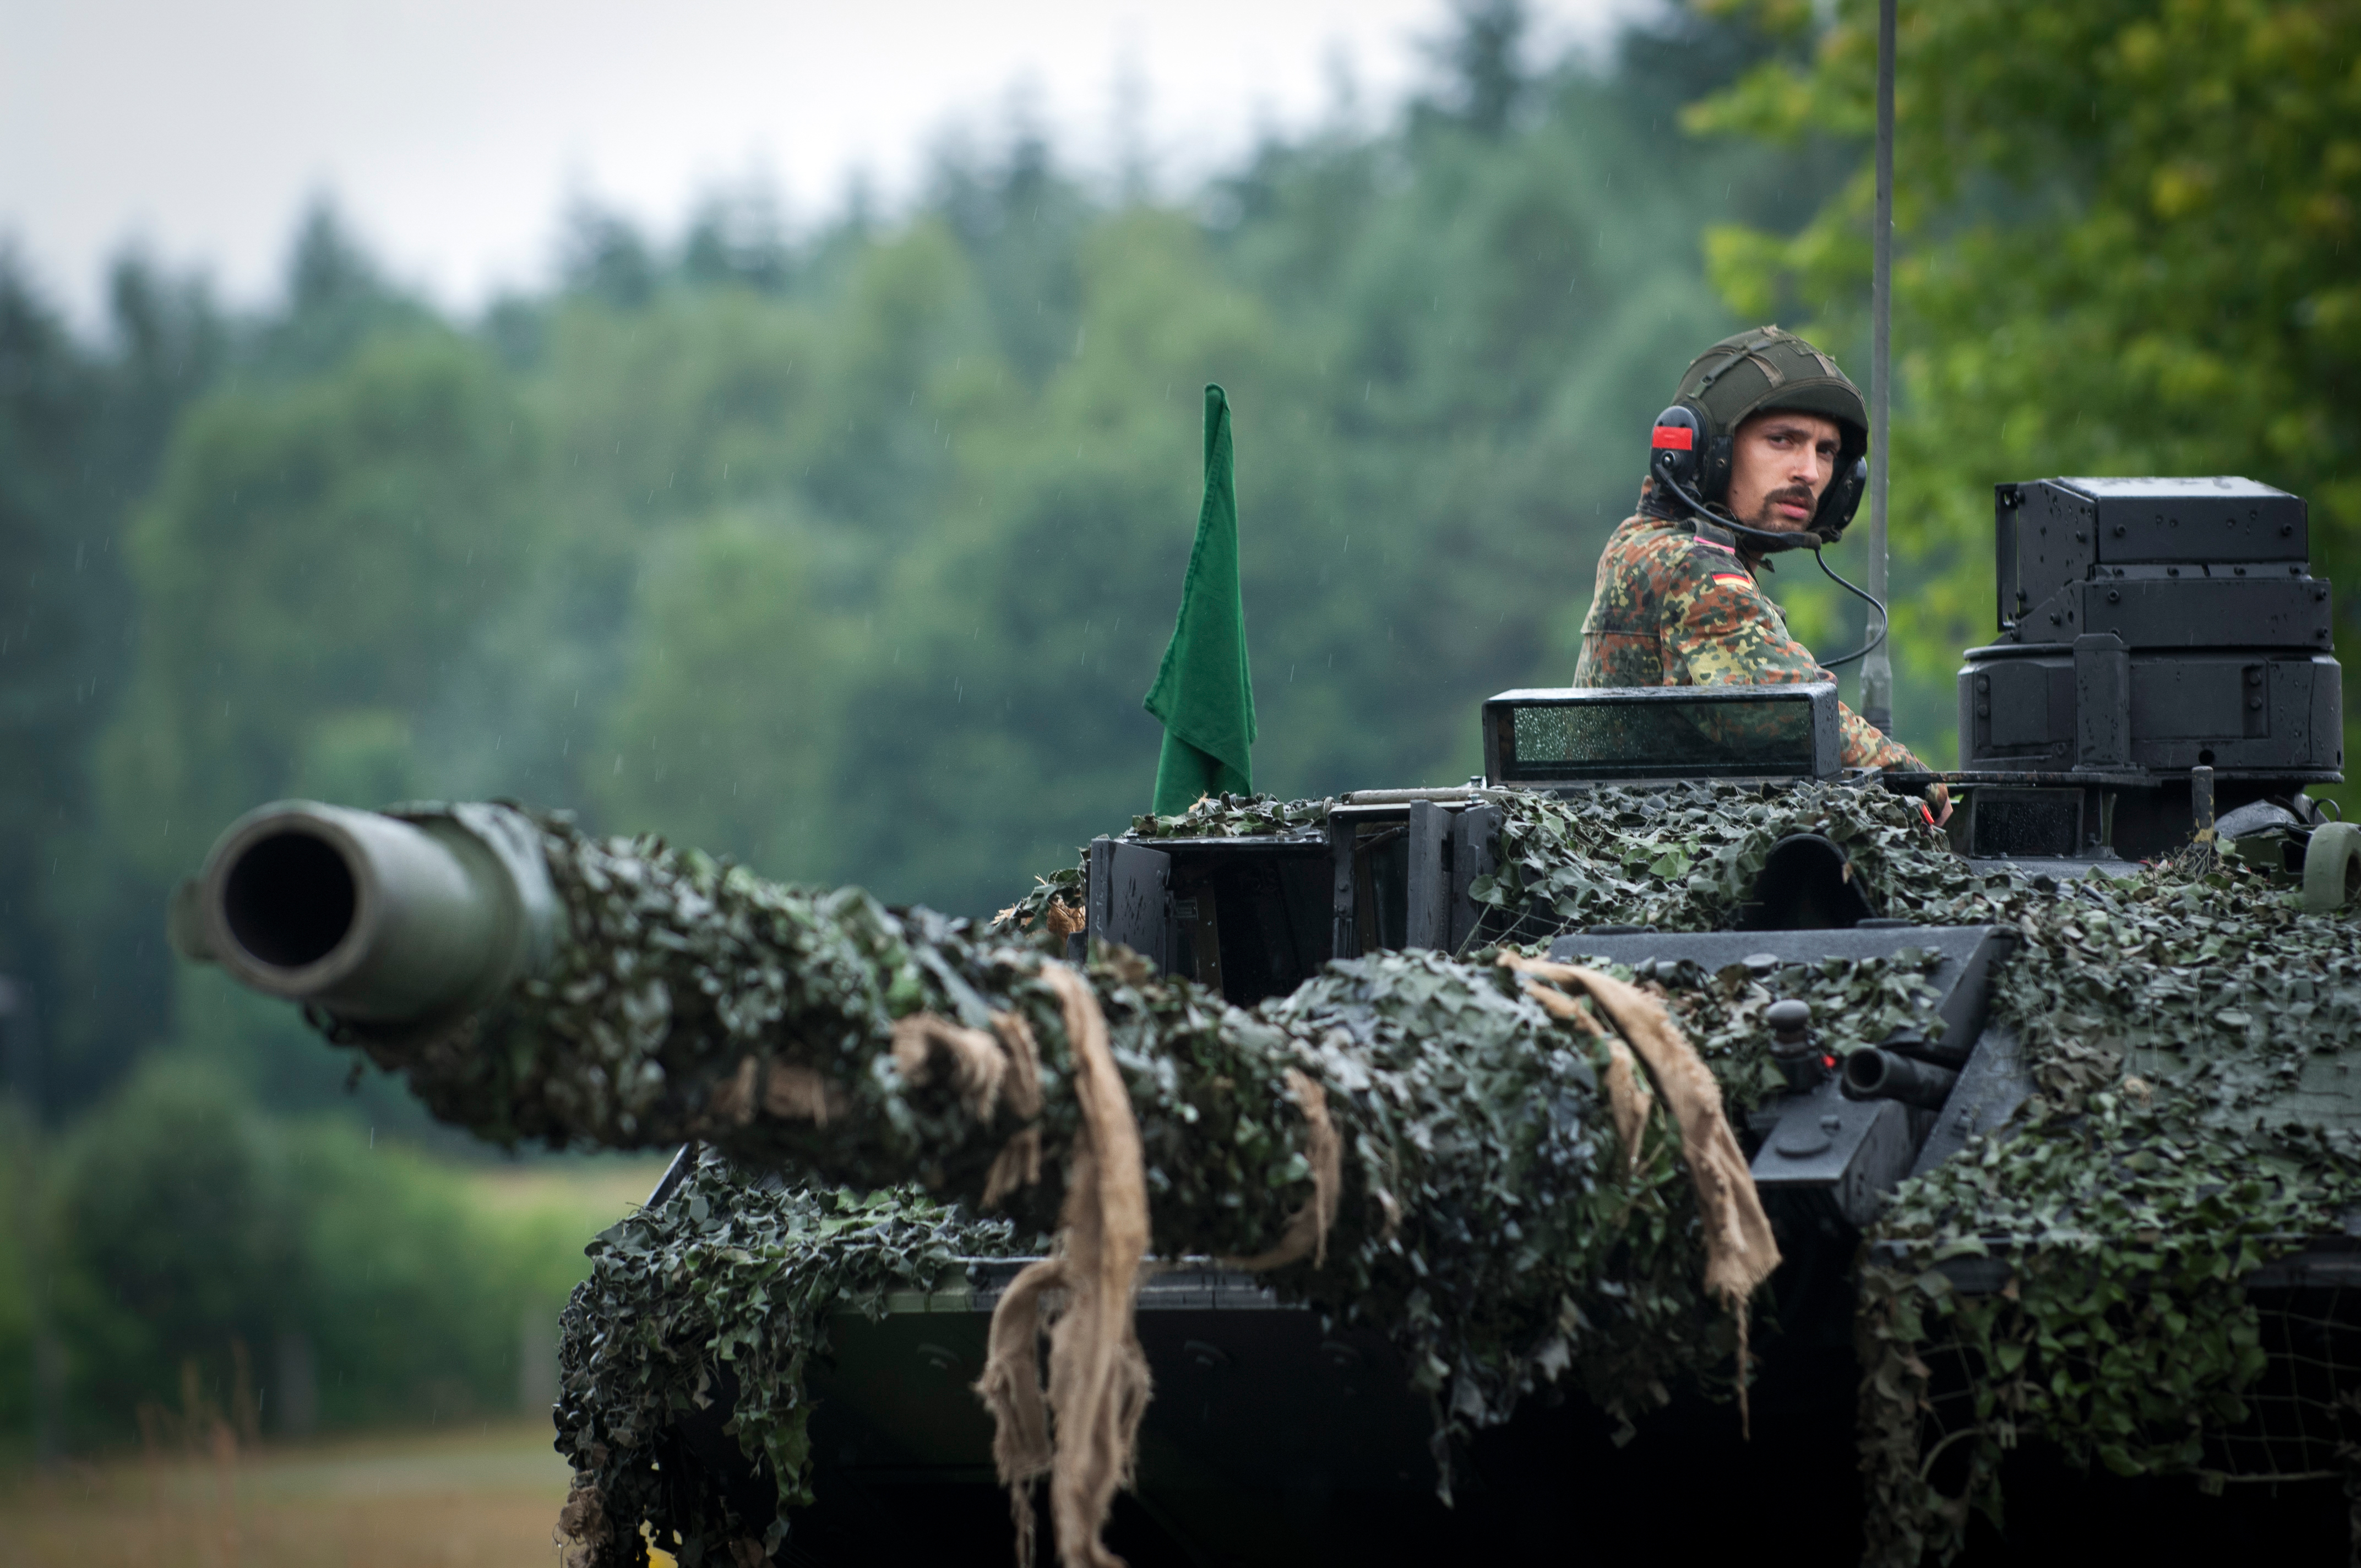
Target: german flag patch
[(1737, 579)]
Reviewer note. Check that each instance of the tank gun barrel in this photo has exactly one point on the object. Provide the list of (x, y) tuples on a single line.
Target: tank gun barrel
[(533, 982), (375, 920)]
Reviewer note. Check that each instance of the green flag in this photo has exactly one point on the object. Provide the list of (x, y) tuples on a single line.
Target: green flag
[(1202, 692)]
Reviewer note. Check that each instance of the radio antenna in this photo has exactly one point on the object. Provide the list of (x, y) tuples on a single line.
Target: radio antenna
[(1877, 669)]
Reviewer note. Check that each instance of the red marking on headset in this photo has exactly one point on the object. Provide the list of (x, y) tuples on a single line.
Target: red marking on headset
[(1678, 437)]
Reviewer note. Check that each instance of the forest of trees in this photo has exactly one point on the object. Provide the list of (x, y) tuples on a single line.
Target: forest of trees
[(850, 550)]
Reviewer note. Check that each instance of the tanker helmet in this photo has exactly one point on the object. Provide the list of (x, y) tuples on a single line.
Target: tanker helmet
[(1755, 372)]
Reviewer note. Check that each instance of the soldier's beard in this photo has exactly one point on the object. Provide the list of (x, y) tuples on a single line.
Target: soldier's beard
[(1766, 517)]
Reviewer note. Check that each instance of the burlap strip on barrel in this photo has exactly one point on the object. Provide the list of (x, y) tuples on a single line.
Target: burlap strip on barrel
[(1306, 1234), (1740, 1251), (1098, 1377)]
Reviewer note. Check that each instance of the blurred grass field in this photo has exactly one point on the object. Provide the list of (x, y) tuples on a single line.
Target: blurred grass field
[(482, 1498), (588, 1194), (481, 1493)]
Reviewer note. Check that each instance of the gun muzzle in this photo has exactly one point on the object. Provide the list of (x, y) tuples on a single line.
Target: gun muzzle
[(402, 921), (1872, 1073)]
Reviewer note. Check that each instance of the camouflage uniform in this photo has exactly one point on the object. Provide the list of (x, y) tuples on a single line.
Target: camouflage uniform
[(1674, 610)]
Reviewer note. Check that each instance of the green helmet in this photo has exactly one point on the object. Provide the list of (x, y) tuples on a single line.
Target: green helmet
[(1755, 372)]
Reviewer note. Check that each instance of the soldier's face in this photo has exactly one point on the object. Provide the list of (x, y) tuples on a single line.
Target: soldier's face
[(1779, 464)]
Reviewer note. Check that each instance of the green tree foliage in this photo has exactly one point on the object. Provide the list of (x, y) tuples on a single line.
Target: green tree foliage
[(855, 561), (190, 1229), (413, 1291), (1481, 56), (48, 663), (336, 300), (313, 561), (1012, 654), (17, 1286), (2122, 250), (726, 749), (184, 1238), (81, 428)]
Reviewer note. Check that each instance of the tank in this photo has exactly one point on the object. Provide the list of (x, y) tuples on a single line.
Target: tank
[(1666, 1117)]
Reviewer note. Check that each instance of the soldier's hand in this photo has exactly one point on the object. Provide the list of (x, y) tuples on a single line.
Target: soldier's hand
[(1938, 804)]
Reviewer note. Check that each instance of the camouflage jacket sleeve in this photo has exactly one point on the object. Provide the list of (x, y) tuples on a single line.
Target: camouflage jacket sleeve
[(1721, 629)]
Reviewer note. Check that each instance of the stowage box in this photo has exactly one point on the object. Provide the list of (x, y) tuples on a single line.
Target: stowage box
[(2154, 626), (2160, 563), (2094, 704)]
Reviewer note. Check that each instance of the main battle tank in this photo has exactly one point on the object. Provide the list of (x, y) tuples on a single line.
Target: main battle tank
[(1665, 1116)]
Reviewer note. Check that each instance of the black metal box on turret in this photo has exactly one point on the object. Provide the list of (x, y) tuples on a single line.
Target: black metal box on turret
[(2149, 628)]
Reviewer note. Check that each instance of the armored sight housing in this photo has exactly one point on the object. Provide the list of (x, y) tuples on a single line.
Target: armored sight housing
[(1874, 1000), (2148, 627)]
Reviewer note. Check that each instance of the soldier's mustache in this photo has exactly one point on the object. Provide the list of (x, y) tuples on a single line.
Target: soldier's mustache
[(1801, 495)]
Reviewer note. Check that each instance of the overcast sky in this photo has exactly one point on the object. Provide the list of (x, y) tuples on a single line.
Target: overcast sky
[(452, 132)]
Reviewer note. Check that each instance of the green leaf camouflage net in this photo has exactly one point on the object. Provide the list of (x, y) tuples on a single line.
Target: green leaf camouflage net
[(717, 1299), (1499, 1249), (2186, 1028), (2181, 1024)]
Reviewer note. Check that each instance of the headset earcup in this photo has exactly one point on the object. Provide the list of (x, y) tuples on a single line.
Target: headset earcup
[(1841, 500), (1673, 455)]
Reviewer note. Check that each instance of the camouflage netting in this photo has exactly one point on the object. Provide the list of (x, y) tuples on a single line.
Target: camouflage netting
[(823, 1035), (2189, 1122), (1431, 1069), (737, 1282), (2192, 1120)]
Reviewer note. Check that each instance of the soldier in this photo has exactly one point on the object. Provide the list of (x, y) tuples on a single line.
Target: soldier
[(1761, 452)]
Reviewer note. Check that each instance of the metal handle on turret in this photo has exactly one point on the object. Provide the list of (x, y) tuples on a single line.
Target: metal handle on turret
[(405, 921)]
